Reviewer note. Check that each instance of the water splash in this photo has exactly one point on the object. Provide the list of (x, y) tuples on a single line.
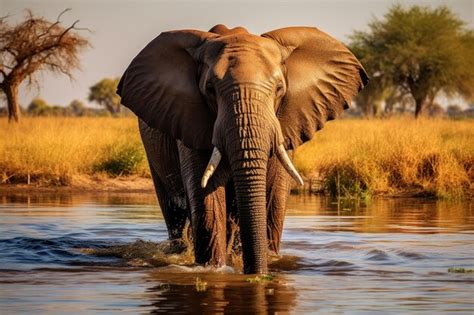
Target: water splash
[(148, 254)]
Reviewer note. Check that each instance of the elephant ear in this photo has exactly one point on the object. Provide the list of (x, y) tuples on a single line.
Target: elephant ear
[(322, 77), (160, 86)]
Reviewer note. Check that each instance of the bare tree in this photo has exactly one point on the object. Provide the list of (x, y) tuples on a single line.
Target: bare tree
[(34, 45)]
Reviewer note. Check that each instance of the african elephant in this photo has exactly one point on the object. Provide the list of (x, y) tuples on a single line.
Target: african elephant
[(220, 113)]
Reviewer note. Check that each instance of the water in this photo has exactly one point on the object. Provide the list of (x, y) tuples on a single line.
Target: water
[(388, 256)]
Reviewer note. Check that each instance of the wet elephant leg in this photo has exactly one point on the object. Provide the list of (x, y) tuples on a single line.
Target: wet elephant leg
[(278, 189), (175, 215), (163, 159), (207, 208)]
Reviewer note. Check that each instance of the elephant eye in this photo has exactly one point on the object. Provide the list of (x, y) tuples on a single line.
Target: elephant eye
[(279, 89)]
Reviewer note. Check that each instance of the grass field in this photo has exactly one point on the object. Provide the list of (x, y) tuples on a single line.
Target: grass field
[(359, 157), (349, 157), (53, 150)]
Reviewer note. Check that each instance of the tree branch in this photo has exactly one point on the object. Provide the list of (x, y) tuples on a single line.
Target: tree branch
[(61, 14), (47, 31), (58, 20), (3, 73), (10, 51), (58, 67), (20, 61), (67, 30), (4, 17)]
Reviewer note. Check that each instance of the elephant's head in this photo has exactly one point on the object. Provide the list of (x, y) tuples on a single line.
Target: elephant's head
[(246, 97)]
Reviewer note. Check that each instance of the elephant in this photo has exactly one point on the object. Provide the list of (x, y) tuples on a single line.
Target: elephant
[(220, 115)]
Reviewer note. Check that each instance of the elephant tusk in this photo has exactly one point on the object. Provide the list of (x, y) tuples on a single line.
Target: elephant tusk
[(211, 167), (288, 165)]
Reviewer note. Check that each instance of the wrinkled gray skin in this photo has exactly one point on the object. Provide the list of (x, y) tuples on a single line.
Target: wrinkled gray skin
[(244, 95)]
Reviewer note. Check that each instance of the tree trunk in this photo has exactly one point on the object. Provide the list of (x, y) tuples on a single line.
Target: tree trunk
[(419, 106), (11, 92), (367, 109), (110, 107), (375, 107)]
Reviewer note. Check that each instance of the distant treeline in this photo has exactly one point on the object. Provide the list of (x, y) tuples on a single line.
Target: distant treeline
[(40, 108), (435, 110)]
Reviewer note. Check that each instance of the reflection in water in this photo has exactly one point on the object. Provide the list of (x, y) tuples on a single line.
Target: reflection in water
[(388, 214), (223, 293), (64, 198), (88, 253)]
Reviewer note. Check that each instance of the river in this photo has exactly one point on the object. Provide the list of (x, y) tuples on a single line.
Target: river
[(383, 256)]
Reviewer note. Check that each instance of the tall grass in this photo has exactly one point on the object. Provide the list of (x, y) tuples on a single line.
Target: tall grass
[(53, 150), (350, 157), (360, 157)]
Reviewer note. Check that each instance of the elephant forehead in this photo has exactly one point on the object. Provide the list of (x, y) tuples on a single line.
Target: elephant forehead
[(246, 54), (240, 44), (251, 42)]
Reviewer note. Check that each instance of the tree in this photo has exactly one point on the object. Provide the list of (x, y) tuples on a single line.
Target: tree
[(436, 110), (77, 108), (38, 107), (31, 46), (420, 51), (454, 111), (103, 92)]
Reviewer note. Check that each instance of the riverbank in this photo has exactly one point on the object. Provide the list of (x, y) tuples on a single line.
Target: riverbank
[(86, 183), (134, 184), (348, 158)]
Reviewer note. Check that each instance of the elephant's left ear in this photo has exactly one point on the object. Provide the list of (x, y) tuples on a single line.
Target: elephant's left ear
[(322, 77)]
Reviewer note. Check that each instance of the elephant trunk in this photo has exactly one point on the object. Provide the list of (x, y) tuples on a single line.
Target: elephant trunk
[(250, 192), (248, 162), (250, 135)]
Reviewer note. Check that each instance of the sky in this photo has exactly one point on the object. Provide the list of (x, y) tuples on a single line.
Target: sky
[(120, 29)]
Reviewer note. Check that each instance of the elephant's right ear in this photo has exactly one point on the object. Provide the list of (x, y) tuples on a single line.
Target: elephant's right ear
[(161, 87)]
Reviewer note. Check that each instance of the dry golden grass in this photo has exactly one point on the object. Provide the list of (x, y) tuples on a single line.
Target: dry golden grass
[(354, 157), (52, 150), (351, 157)]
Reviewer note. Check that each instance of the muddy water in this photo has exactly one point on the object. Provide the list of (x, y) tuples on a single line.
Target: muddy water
[(388, 256)]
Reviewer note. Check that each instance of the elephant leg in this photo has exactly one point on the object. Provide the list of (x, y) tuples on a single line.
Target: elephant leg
[(175, 215), (207, 208), (278, 189), (163, 159)]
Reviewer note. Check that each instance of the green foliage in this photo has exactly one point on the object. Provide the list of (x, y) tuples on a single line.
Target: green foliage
[(343, 181), (103, 92), (460, 270), (418, 50), (259, 279), (201, 285), (121, 160), (77, 108), (38, 107)]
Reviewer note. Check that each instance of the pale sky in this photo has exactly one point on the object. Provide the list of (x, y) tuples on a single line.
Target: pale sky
[(121, 28)]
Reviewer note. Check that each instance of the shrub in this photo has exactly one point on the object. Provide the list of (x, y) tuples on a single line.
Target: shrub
[(122, 159)]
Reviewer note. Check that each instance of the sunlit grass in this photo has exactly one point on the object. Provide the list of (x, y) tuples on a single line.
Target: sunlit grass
[(350, 157), (52, 150), (357, 157)]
